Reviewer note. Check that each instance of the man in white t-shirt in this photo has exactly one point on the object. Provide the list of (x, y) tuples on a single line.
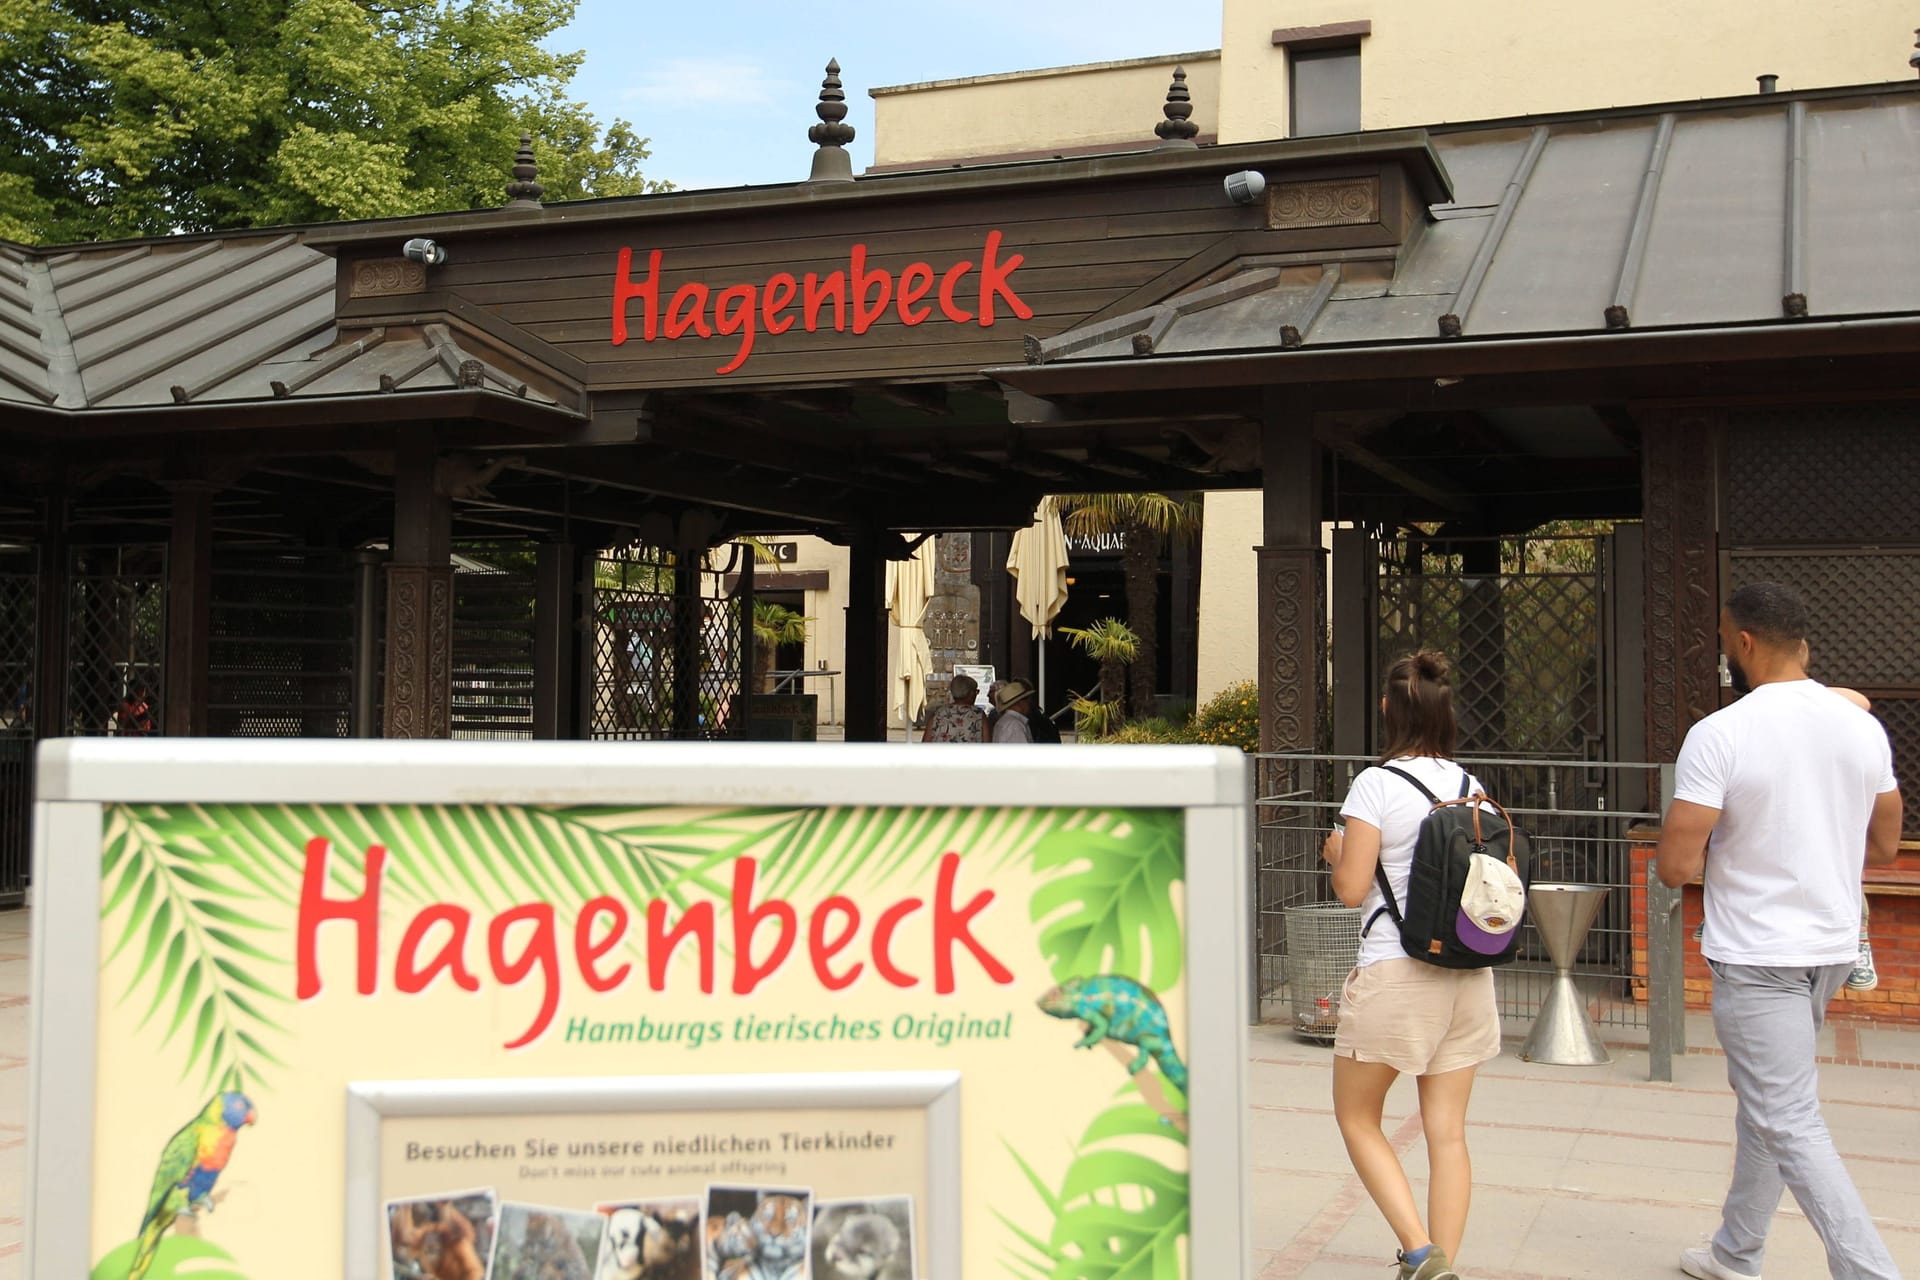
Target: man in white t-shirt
[(1779, 799)]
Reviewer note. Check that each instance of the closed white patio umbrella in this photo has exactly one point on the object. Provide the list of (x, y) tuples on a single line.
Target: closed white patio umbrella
[(909, 588), (1038, 563)]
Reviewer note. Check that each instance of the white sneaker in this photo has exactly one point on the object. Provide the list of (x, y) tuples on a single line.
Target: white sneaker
[(1700, 1262), (1864, 976)]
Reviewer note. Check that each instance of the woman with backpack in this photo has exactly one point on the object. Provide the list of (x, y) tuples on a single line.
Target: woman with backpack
[(1398, 1014)]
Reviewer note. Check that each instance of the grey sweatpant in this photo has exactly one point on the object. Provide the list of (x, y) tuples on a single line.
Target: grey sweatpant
[(1766, 1019)]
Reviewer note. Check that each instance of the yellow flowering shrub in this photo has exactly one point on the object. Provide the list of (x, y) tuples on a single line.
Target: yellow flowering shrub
[(1231, 718)]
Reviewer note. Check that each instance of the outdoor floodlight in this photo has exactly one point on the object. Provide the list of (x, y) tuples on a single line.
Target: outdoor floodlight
[(422, 250), (1246, 186)]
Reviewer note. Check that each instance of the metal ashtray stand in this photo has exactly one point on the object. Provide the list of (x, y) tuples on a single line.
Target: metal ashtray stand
[(1562, 1035)]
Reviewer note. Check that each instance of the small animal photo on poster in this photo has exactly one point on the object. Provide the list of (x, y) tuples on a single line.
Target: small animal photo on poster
[(865, 1240), (651, 1239), (446, 1236), (756, 1233), (539, 1243)]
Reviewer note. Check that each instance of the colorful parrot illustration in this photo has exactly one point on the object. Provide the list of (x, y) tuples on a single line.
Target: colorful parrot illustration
[(189, 1166)]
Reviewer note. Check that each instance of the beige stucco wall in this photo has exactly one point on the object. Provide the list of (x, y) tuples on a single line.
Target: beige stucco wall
[(1426, 63), (1034, 111), (827, 633), (1229, 628)]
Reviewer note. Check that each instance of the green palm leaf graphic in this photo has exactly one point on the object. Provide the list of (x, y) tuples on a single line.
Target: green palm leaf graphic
[(1119, 1213), (1111, 908), (191, 929)]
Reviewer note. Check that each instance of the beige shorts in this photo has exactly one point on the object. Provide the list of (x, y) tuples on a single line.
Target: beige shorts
[(1418, 1018)]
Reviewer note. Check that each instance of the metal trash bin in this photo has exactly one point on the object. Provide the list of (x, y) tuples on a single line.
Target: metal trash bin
[(1323, 941)]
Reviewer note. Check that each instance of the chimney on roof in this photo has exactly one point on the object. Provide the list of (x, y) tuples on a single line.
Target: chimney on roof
[(831, 163), (524, 192), (1177, 130), (1768, 84)]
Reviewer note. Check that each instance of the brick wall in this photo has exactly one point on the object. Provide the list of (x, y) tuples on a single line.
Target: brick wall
[(1895, 929)]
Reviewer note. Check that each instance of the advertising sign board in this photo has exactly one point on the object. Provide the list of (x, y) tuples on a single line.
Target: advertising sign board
[(519, 1011)]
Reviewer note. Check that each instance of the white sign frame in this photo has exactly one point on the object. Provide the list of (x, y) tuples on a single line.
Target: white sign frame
[(76, 777)]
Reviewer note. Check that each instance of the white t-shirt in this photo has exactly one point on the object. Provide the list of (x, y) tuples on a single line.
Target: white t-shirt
[(1395, 806), (1793, 769), (1012, 727)]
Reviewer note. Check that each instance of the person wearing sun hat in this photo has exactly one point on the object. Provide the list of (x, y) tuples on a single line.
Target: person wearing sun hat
[(1014, 701)]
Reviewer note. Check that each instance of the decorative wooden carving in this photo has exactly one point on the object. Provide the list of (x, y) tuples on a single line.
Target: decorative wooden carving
[(1682, 581), (387, 277), (419, 692), (1289, 606), (525, 190), (1177, 130), (1330, 202)]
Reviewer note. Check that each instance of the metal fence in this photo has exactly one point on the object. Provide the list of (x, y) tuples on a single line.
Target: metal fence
[(280, 647), (493, 601), (1577, 814)]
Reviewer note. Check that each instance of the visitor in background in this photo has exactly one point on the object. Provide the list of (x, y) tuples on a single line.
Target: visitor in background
[(959, 720), (1014, 702)]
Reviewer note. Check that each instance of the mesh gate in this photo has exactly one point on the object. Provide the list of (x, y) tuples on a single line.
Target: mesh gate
[(280, 643), (19, 630), (667, 649), (493, 597), (116, 628), (1523, 627)]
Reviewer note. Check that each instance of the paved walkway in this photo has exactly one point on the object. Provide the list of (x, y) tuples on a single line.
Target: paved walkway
[(1580, 1172)]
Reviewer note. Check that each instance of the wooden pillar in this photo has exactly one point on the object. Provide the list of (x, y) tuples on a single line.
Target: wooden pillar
[(557, 609), (1356, 624), (55, 608), (866, 642), (1290, 597), (419, 688), (184, 684), (1678, 470), (688, 652)]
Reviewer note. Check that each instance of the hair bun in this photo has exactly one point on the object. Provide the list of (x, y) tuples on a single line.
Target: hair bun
[(1430, 664)]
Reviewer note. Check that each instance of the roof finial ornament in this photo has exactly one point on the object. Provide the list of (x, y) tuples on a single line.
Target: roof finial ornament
[(1913, 59), (831, 163), (524, 192), (1177, 130)]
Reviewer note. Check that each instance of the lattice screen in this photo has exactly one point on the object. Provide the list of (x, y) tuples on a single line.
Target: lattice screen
[(666, 653), (1857, 483), (19, 630), (1902, 718), (1525, 646), (1864, 607), (280, 644), (116, 629)]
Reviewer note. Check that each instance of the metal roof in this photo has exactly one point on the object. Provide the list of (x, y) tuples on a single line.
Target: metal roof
[(223, 321), (1726, 214)]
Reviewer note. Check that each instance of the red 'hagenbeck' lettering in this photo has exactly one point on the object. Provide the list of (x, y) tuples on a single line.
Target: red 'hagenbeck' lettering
[(744, 311), (523, 943)]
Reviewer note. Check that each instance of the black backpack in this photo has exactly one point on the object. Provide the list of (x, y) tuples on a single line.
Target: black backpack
[(1450, 835)]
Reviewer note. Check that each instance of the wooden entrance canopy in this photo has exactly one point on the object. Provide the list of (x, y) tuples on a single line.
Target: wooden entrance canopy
[(1480, 322)]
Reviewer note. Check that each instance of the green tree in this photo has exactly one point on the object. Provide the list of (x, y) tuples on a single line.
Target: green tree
[(179, 115), (773, 626), (1141, 520), (1112, 644)]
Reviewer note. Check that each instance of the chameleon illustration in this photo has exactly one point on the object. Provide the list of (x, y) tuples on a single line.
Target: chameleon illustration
[(189, 1166), (1117, 1008)]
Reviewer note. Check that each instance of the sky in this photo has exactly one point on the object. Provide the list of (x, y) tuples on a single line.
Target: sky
[(725, 88)]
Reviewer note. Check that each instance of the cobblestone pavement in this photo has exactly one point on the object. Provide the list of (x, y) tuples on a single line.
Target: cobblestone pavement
[(1579, 1172)]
